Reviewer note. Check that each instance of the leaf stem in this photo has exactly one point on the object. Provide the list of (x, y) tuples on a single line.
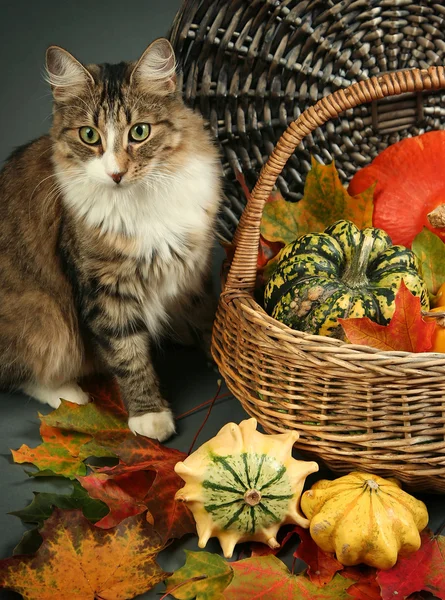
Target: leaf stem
[(206, 417), (176, 587), (203, 405)]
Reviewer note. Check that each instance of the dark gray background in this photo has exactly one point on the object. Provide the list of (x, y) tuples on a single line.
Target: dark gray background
[(99, 31)]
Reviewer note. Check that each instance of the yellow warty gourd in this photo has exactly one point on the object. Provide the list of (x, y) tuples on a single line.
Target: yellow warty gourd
[(243, 485), (364, 518)]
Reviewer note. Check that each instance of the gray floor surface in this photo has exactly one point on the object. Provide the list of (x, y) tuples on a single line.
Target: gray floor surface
[(102, 31)]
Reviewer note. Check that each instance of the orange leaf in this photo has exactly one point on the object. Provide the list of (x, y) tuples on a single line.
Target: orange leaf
[(407, 331), (410, 184), (82, 562)]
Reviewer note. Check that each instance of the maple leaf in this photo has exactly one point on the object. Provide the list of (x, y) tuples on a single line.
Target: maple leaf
[(123, 494), (422, 571), (105, 415), (185, 585), (366, 586), (67, 432), (322, 566), (43, 504), (51, 459), (268, 578), (78, 561), (172, 519), (406, 331), (430, 250), (325, 201)]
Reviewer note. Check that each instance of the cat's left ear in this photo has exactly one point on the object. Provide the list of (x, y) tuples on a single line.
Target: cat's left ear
[(156, 69)]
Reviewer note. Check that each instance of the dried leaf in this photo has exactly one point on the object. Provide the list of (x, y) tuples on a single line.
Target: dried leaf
[(322, 566), (325, 201), (422, 571), (218, 574), (267, 578), (430, 250), (42, 506), (407, 331), (78, 561)]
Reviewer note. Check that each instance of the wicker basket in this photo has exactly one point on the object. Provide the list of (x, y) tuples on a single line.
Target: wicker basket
[(355, 407), (253, 66)]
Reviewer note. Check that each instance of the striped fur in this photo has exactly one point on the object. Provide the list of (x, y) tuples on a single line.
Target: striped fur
[(93, 270)]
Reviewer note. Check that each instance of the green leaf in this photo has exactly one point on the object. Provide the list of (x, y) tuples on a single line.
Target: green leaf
[(30, 543), (218, 575), (430, 250), (325, 201), (268, 578), (43, 504)]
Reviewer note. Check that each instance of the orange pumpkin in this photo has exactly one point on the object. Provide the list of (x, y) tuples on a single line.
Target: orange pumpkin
[(410, 184)]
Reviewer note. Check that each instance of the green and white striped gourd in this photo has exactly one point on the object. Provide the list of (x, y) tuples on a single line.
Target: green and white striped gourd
[(340, 273), (242, 485)]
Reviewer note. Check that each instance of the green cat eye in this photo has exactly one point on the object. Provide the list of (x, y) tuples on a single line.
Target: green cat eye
[(89, 135), (139, 132)]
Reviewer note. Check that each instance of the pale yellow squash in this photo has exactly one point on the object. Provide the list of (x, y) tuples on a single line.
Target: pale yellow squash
[(243, 485), (364, 518)]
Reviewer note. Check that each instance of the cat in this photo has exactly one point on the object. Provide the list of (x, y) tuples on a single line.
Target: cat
[(107, 226)]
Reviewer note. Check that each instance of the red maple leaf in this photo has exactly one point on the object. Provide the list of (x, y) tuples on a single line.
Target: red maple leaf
[(422, 571), (321, 566), (366, 586), (124, 494), (406, 331), (140, 455)]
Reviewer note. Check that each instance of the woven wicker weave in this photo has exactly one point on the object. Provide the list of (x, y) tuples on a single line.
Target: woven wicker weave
[(253, 66), (355, 407)]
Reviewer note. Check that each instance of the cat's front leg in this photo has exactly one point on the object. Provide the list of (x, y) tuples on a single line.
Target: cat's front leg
[(126, 354)]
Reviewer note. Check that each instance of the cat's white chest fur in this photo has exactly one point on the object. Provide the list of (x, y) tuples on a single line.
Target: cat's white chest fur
[(169, 217)]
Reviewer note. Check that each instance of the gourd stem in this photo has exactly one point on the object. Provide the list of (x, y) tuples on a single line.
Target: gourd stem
[(252, 497), (355, 273)]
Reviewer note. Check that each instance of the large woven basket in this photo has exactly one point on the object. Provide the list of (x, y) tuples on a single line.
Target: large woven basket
[(251, 67), (355, 407)]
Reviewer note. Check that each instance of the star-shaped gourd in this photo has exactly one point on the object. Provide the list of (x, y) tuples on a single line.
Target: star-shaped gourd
[(243, 485)]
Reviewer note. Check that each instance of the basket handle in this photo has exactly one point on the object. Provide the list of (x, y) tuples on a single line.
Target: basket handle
[(242, 273)]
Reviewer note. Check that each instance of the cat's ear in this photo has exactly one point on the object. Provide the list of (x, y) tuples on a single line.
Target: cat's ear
[(156, 69), (66, 75)]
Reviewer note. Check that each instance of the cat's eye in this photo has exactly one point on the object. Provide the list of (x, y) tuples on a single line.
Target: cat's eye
[(139, 132), (89, 135)]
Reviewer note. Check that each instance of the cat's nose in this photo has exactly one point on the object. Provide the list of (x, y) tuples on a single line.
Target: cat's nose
[(117, 177)]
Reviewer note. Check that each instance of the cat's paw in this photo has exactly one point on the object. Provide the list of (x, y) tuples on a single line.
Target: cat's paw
[(53, 396), (156, 425)]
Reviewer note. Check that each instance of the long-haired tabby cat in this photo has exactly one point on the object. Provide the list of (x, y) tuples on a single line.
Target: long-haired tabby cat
[(106, 232)]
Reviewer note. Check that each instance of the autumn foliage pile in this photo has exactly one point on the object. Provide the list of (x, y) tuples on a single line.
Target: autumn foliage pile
[(102, 540)]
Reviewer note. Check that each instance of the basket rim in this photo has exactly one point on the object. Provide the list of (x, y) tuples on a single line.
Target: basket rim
[(255, 309)]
